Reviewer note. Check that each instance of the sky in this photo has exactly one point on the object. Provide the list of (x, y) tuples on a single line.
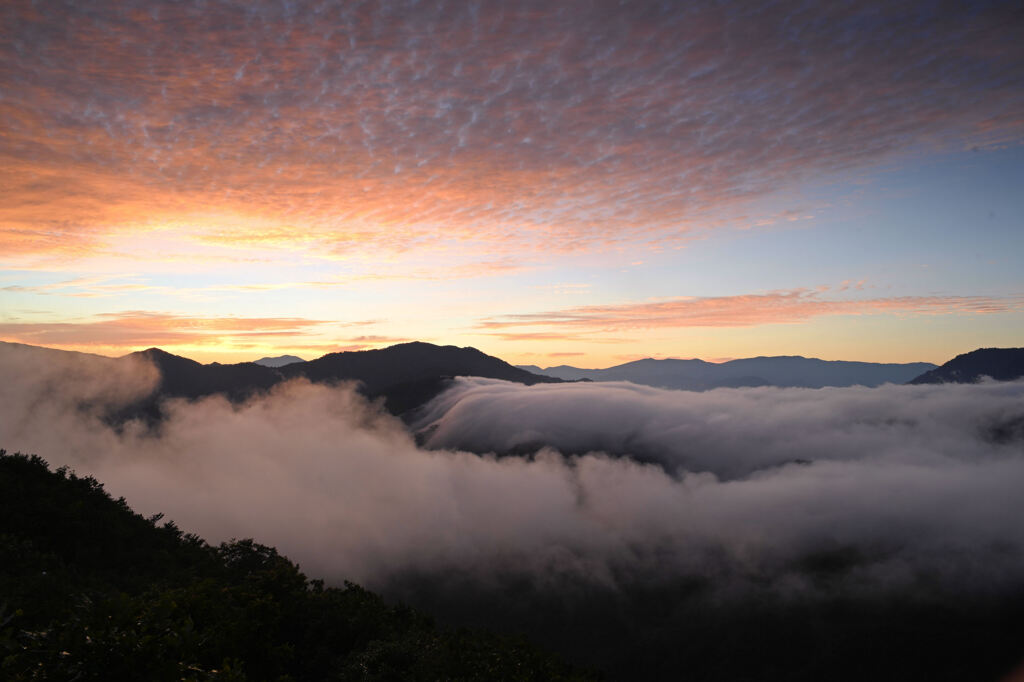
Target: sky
[(575, 182)]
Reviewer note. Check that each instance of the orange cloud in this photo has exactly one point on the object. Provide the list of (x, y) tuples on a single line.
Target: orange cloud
[(133, 329), (568, 337), (531, 336), (88, 287), (371, 339), (345, 131), (746, 310)]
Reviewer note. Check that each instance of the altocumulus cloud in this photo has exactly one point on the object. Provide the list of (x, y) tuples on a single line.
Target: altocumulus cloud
[(726, 485), (525, 126)]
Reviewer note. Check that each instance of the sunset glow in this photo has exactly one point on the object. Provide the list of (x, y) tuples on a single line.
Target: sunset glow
[(584, 182)]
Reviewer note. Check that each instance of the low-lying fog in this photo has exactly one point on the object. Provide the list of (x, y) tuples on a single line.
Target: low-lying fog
[(619, 479), (608, 485)]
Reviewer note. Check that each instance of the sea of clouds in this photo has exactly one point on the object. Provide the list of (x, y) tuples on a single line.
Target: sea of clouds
[(602, 484)]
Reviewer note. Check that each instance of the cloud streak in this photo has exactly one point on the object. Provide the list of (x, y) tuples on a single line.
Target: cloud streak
[(131, 329), (743, 310)]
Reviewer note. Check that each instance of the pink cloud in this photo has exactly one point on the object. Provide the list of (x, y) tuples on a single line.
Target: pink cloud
[(140, 328), (396, 126), (744, 310)]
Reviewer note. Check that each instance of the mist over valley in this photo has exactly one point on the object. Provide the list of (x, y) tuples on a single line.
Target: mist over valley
[(631, 528)]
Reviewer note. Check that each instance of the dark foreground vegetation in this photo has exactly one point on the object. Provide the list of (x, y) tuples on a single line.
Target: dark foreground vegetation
[(687, 630), (89, 590)]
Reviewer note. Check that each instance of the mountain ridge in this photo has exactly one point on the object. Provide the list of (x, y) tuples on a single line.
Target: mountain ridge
[(1001, 364), (278, 360), (403, 376), (783, 370), (411, 361), (407, 375)]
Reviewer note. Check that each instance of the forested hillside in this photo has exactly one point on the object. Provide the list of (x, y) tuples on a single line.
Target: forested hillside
[(89, 590)]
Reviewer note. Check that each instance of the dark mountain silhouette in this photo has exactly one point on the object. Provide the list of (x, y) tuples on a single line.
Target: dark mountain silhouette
[(407, 362), (405, 376), (1002, 364), (278, 361), (698, 375), (409, 374), (184, 378)]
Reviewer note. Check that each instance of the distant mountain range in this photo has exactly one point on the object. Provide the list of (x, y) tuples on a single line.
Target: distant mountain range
[(404, 376), (1002, 364), (409, 362), (790, 371), (279, 361), (408, 375)]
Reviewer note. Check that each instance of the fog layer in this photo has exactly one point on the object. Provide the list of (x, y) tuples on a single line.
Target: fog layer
[(738, 485)]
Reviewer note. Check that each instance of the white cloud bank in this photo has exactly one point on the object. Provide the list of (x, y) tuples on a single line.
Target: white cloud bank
[(921, 480)]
